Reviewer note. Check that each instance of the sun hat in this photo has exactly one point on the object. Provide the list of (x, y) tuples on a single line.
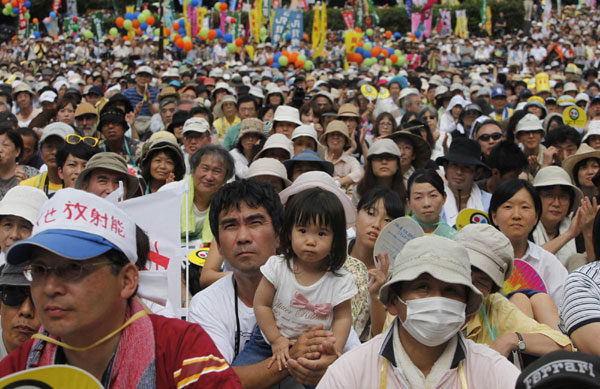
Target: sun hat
[(305, 130), (561, 369), (22, 87), (489, 250), (408, 92), (59, 129), (285, 113), (570, 87), (582, 97), (584, 152), (348, 110), (195, 124), (383, 146), (324, 181), (556, 175), (13, 276), (422, 148), (47, 97), (110, 161), (464, 151), (335, 126), (308, 156), (164, 143), (442, 258), (565, 101), (23, 201), (268, 167), (78, 225), (144, 69), (529, 123), (277, 141), (251, 126), (85, 109), (593, 129), (441, 90)]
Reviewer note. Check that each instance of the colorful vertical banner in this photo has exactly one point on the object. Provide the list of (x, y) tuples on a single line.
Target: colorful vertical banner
[(193, 14), (280, 21), (445, 23), (323, 34), (97, 21), (222, 17), (316, 30), (360, 13), (408, 7), (348, 17), (461, 24), (488, 22), (51, 26), (186, 17), (22, 32), (72, 7), (483, 11), (415, 21), (55, 5), (370, 10), (296, 28)]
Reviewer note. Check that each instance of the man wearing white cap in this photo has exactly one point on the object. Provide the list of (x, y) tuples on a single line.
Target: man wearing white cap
[(81, 261), (196, 134), (143, 98)]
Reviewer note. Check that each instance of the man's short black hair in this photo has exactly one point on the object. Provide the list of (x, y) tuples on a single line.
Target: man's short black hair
[(562, 134), (253, 193), (26, 131), (507, 157), (247, 99), (203, 111), (80, 150)]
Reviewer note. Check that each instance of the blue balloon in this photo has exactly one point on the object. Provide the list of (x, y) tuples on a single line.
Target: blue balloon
[(136, 14), (129, 16), (27, 4), (288, 37), (222, 1), (276, 56), (194, 3), (143, 26), (275, 64), (37, 35), (181, 31), (52, 14), (219, 34), (359, 50), (397, 35), (391, 51), (228, 38), (366, 54), (418, 33)]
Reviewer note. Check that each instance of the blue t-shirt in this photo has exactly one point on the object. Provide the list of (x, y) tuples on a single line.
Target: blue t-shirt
[(134, 98)]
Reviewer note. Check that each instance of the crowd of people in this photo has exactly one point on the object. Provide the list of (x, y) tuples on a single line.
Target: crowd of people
[(292, 175)]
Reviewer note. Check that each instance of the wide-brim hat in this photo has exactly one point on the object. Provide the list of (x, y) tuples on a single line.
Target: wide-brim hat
[(308, 156), (335, 126), (110, 161), (23, 201), (167, 144), (556, 175), (422, 148), (584, 152), (464, 151), (268, 167), (440, 257)]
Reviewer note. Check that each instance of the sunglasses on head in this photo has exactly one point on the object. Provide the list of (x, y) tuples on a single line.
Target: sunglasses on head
[(14, 296), (487, 137), (74, 139)]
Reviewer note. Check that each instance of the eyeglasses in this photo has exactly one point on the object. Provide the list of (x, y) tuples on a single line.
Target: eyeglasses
[(69, 272), (429, 117), (549, 195), (14, 296), (383, 124), (487, 137), (74, 139)]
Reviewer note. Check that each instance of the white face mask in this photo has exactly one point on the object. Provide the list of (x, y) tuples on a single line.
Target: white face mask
[(433, 320)]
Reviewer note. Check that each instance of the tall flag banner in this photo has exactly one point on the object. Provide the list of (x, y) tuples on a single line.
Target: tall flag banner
[(408, 7), (186, 17), (483, 11), (72, 7), (222, 17), (193, 14), (461, 24), (415, 20), (316, 30), (546, 16), (51, 26), (445, 23), (55, 5), (488, 22), (232, 4), (323, 34), (296, 28), (427, 22), (22, 32), (97, 20), (281, 18), (253, 25), (348, 17), (360, 13), (168, 13), (371, 12)]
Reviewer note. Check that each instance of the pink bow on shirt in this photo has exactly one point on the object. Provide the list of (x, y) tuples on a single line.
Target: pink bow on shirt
[(300, 301)]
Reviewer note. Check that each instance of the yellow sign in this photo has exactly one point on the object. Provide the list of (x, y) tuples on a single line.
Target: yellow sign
[(198, 257), (384, 92), (369, 92), (471, 216), (51, 377), (574, 116), (542, 82)]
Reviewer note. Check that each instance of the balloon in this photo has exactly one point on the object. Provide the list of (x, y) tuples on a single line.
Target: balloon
[(35, 21), (143, 26), (88, 34), (283, 60), (276, 65), (358, 29), (385, 53), (142, 18), (299, 64), (127, 24), (187, 46), (418, 34), (231, 48), (157, 32), (14, 3), (36, 34), (288, 37), (401, 60), (212, 34), (176, 26), (302, 57), (27, 4), (187, 39), (293, 56), (6, 11), (394, 58), (219, 34), (263, 30), (76, 26), (27, 16), (217, 7), (369, 31), (366, 54), (397, 35), (391, 51), (368, 46), (308, 66), (388, 62), (135, 15), (375, 51), (129, 16), (204, 32), (52, 14), (223, 6), (284, 53), (138, 32), (135, 23), (194, 3), (167, 31), (4, 2), (305, 37), (239, 42), (228, 38), (146, 12), (113, 31), (74, 18), (269, 61), (179, 44), (388, 34), (119, 22)]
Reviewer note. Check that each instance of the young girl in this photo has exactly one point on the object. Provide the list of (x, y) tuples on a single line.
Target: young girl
[(306, 285)]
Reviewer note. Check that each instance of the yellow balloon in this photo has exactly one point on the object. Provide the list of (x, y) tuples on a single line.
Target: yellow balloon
[(250, 50)]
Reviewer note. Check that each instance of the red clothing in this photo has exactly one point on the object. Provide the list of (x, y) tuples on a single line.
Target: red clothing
[(184, 354)]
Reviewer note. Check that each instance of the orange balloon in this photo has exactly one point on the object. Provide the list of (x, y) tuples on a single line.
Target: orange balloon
[(361, 44), (385, 53), (285, 54), (167, 32), (179, 44), (125, 38), (55, 37), (388, 34), (212, 34), (305, 37), (4, 2), (294, 56), (119, 22), (299, 64), (35, 21), (187, 46), (223, 6), (14, 3), (269, 61), (239, 41), (15, 37), (375, 51), (176, 26), (358, 29), (394, 58), (135, 23), (150, 20), (138, 31)]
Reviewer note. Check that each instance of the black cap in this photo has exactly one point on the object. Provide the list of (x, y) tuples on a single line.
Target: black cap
[(464, 151), (561, 369)]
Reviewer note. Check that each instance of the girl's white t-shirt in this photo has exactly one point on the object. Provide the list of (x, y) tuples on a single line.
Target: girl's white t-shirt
[(330, 289)]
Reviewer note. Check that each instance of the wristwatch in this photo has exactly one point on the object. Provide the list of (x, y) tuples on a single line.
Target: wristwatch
[(521, 344)]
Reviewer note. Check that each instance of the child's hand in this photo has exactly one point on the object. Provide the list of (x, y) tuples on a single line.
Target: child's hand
[(281, 352), (379, 274)]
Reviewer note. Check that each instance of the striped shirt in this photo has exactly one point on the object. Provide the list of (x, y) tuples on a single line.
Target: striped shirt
[(581, 302), (134, 98)]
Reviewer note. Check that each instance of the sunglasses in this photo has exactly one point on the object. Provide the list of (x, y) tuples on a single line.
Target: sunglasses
[(487, 137), (74, 139), (14, 296)]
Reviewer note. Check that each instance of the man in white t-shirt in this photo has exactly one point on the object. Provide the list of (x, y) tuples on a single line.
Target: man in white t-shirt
[(245, 218)]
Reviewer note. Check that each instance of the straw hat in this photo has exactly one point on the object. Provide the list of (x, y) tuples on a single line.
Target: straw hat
[(583, 152)]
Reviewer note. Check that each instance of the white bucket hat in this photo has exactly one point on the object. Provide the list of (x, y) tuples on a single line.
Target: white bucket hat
[(555, 175), (285, 113), (268, 167), (383, 146), (305, 130), (277, 141), (23, 201), (489, 250), (530, 122), (593, 129), (442, 258)]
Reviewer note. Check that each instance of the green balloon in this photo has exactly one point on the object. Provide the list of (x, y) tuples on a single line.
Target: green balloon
[(283, 60), (368, 46), (388, 62), (76, 26), (187, 39), (157, 32), (369, 31), (401, 60), (231, 47), (147, 12), (263, 30), (217, 6), (127, 24), (308, 65), (5, 11), (27, 16), (88, 34), (8, 7), (204, 32), (302, 58), (113, 31), (142, 17)]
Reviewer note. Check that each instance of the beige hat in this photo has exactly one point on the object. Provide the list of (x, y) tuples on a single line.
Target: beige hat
[(110, 161), (144, 69), (251, 126), (162, 143), (23, 201), (383, 146), (194, 124), (584, 152), (348, 110), (277, 141), (85, 109), (570, 87), (268, 167), (442, 258), (556, 175), (489, 250), (529, 123), (167, 91), (285, 113), (440, 90), (407, 92), (335, 126)]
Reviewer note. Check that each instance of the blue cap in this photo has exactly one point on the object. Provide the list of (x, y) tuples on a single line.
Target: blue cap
[(96, 90), (70, 244), (308, 156), (175, 83), (498, 91)]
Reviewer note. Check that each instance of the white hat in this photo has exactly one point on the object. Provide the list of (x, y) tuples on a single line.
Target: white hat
[(442, 258), (277, 141), (319, 179), (285, 113), (23, 201), (489, 250), (556, 175), (194, 124), (268, 167), (528, 123), (171, 72), (305, 130), (57, 128), (256, 92), (440, 90), (144, 69), (582, 97), (593, 129), (407, 92), (48, 97), (570, 87), (383, 146)]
